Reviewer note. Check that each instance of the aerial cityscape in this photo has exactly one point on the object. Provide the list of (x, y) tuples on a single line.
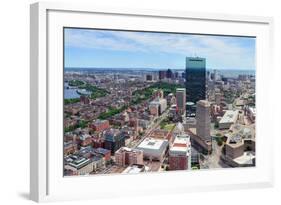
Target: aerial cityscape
[(138, 102)]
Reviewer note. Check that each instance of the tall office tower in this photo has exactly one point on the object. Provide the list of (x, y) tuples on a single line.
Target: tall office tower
[(195, 79), (208, 75), (203, 119), (176, 75), (169, 73), (155, 76), (210, 92), (148, 77), (181, 100), (183, 74), (162, 74), (216, 75)]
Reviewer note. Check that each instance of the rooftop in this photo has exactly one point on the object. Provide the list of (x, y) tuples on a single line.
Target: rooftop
[(157, 101), (181, 89), (102, 150), (112, 134), (182, 139), (246, 158), (239, 133), (151, 143), (134, 169), (181, 145), (98, 121), (79, 162), (246, 131), (127, 149), (203, 103), (229, 116)]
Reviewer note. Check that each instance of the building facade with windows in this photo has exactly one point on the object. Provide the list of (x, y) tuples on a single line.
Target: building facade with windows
[(195, 74), (126, 156), (181, 100)]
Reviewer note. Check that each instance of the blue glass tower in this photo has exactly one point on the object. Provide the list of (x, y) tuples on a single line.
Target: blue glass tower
[(195, 79)]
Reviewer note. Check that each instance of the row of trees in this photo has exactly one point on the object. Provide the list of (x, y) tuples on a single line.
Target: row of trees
[(95, 91), (111, 112), (76, 83), (72, 100), (146, 93)]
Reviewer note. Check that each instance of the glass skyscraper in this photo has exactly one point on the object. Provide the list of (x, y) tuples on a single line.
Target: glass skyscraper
[(195, 79)]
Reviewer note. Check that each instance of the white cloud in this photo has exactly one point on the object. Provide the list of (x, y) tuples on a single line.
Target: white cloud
[(230, 51)]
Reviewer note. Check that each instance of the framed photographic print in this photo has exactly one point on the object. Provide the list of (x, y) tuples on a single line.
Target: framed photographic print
[(137, 102)]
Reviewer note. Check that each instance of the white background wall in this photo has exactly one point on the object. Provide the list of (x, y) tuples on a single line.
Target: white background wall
[(14, 102)]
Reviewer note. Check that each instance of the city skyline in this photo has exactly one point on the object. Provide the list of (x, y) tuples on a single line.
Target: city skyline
[(129, 108), (90, 48)]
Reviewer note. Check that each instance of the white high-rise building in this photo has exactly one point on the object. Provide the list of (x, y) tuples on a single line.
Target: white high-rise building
[(181, 100), (216, 75), (203, 119), (161, 103)]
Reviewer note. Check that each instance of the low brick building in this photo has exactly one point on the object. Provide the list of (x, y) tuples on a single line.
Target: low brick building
[(126, 156), (100, 125)]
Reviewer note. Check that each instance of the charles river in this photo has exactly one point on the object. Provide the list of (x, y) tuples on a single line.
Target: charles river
[(71, 92)]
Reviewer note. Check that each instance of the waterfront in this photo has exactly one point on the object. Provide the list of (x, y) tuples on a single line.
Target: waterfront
[(71, 92)]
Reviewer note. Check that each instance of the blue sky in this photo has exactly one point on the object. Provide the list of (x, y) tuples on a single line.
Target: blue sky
[(125, 49)]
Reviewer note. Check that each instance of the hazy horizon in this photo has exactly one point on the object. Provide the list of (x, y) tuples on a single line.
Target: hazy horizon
[(156, 69)]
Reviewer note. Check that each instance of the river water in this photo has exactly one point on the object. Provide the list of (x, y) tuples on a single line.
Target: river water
[(71, 92)]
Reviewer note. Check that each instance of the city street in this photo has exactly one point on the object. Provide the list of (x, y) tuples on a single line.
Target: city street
[(152, 127), (213, 161)]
